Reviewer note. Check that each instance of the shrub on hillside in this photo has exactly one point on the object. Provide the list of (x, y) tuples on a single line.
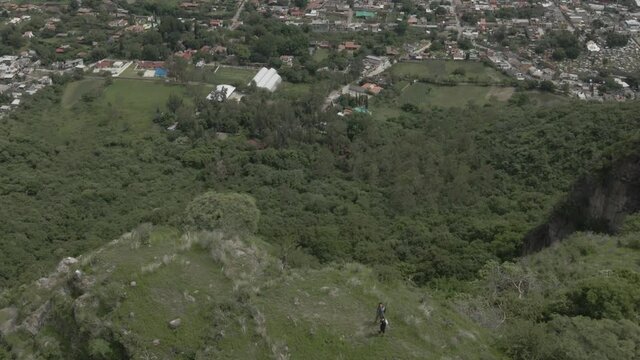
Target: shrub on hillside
[(227, 212), (631, 224)]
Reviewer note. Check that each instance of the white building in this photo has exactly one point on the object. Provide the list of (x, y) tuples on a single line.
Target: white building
[(267, 79), (633, 25)]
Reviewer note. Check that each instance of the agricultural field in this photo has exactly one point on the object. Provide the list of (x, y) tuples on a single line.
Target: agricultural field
[(441, 70)]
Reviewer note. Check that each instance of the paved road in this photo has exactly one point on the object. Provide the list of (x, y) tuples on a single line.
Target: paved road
[(234, 21)]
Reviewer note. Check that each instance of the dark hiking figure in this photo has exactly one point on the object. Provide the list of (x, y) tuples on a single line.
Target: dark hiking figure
[(383, 326), (380, 312)]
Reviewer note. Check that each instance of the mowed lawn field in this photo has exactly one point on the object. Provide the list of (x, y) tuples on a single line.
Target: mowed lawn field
[(443, 69)]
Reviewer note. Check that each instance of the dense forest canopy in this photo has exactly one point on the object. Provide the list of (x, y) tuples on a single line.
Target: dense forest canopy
[(426, 195)]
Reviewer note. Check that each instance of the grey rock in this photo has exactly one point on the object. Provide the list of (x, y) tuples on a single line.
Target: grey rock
[(63, 266), (175, 323)]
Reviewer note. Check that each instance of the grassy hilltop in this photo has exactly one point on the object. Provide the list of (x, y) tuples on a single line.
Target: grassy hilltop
[(234, 299)]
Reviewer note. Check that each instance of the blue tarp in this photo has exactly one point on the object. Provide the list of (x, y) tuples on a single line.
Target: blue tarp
[(160, 72)]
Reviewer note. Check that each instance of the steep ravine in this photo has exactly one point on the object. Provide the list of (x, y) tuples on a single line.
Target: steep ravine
[(597, 202)]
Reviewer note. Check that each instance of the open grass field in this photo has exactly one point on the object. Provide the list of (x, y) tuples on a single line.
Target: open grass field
[(138, 98), (320, 54), (454, 96), (229, 75), (545, 98), (131, 103), (74, 91), (425, 95), (442, 69), (225, 75), (292, 90)]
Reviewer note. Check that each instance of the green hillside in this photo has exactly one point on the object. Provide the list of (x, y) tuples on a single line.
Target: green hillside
[(235, 298), (433, 193), (423, 208)]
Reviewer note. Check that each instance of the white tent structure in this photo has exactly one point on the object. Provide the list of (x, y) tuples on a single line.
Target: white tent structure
[(267, 79)]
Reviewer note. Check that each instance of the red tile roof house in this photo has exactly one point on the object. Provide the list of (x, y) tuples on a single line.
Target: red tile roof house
[(149, 65), (349, 46), (372, 88), (103, 64), (296, 12), (216, 23), (189, 5), (187, 54), (287, 60)]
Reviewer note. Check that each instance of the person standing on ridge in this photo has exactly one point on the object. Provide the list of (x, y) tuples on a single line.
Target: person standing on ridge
[(383, 326), (380, 312)]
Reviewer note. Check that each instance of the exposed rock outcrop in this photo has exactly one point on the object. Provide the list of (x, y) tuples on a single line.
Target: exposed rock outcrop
[(8, 318), (34, 322), (598, 202)]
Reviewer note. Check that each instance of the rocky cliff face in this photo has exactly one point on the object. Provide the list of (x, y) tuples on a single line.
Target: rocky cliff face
[(598, 202)]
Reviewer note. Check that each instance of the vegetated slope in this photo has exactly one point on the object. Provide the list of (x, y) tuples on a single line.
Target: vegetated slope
[(577, 299), (234, 301), (432, 194), (435, 193), (72, 178)]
